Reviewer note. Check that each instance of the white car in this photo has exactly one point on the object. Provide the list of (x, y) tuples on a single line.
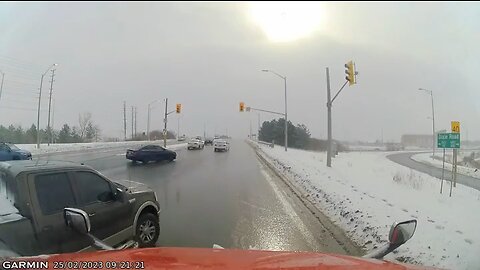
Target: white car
[(195, 144), (221, 145)]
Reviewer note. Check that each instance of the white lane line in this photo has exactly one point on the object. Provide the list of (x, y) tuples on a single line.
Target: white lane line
[(289, 209)]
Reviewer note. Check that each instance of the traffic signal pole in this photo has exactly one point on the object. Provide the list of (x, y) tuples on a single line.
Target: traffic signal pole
[(178, 110), (351, 73), (329, 110), (165, 124)]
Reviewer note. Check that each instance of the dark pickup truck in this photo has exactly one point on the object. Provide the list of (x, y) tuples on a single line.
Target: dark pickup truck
[(33, 196)]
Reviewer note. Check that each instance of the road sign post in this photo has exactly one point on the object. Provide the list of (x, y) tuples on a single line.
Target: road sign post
[(451, 141), (455, 129), (443, 171)]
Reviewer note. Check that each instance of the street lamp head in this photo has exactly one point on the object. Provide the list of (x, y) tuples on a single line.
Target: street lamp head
[(265, 70)]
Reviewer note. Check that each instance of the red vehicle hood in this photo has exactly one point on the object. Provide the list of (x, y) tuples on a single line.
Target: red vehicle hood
[(202, 258)]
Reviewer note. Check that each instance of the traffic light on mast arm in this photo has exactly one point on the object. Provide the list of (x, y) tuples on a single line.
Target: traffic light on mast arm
[(242, 106), (179, 108), (351, 73)]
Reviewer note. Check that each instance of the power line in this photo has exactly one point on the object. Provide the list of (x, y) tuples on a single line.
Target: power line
[(16, 61), (21, 83), (18, 108)]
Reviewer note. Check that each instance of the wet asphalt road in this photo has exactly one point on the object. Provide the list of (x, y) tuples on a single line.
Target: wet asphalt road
[(226, 198), (405, 160)]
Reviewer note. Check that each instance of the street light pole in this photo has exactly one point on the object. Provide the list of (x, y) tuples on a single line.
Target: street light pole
[(148, 118), (433, 121), (39, 102), (286, 118)]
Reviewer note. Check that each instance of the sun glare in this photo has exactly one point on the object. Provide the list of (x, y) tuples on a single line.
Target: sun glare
[(287, 21)]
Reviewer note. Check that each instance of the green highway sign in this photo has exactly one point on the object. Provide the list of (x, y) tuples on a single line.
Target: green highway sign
[(448, 140)]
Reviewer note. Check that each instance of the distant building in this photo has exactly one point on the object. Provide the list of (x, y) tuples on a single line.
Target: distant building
[(417, 140)]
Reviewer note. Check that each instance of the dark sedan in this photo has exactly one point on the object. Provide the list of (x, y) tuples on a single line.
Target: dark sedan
[(150, 153), (209, 141), (9, 151)]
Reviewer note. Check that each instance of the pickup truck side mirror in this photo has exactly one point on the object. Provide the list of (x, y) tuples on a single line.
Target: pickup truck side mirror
[(77, 219)]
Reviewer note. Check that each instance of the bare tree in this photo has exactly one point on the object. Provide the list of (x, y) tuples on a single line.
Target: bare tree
[(84, 121)]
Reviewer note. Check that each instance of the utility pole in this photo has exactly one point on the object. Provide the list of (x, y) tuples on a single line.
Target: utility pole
[(53, 117), (39, 103), (329, 109), (250, 129), (135, 121), (148, 123), (204, 130), (258, 132), (49, 129), (125, 120), (132, 123), (165, 124), (1, 85)]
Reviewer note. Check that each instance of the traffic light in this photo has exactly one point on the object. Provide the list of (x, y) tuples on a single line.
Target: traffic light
[(242, 106), (179, 108), (350, 71)]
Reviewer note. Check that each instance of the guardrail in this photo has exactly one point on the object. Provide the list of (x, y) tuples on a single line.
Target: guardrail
[(266, 143)]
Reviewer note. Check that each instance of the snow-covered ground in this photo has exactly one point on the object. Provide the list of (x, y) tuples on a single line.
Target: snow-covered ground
[(426, 158), (364, 193), (66, 147)]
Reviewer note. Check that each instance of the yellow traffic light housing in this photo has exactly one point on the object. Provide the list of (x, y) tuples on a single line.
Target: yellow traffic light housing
[(350, 71), (242, 106), (179, 108)]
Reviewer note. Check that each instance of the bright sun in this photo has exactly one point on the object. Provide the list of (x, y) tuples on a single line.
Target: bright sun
[(287, 21)]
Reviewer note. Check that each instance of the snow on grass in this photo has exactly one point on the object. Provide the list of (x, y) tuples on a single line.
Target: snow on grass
[(65, 147), (364, 193), (426, 158)]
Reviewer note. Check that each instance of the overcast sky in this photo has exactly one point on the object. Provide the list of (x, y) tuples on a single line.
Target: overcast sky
[(209, 57)]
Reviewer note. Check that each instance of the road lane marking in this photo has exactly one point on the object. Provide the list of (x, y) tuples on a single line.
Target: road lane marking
[(289, 209)]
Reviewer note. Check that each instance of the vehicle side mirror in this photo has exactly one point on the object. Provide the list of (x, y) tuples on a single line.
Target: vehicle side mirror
[(402, 232), (117, 193), (399, 234), (77, 219)]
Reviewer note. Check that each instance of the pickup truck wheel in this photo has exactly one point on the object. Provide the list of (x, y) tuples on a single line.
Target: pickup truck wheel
[(147, 230)]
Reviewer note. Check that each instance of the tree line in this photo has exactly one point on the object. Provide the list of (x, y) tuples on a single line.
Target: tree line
[(86, 131), (298, 136)]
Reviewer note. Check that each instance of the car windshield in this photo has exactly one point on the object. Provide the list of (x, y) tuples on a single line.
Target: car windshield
[(13, 146), (308, 126)]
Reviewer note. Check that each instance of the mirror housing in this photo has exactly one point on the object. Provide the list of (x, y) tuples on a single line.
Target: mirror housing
[(77, 219), (402, 232), (398, 235)]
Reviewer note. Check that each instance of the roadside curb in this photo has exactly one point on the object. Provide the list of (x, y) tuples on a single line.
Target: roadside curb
[(350, 247)]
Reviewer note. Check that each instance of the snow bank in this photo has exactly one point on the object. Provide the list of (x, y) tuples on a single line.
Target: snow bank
[(65, 147), (426, 158), (364, 193)]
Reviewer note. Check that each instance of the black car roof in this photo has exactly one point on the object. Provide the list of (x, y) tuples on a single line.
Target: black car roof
[(14, 167)]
